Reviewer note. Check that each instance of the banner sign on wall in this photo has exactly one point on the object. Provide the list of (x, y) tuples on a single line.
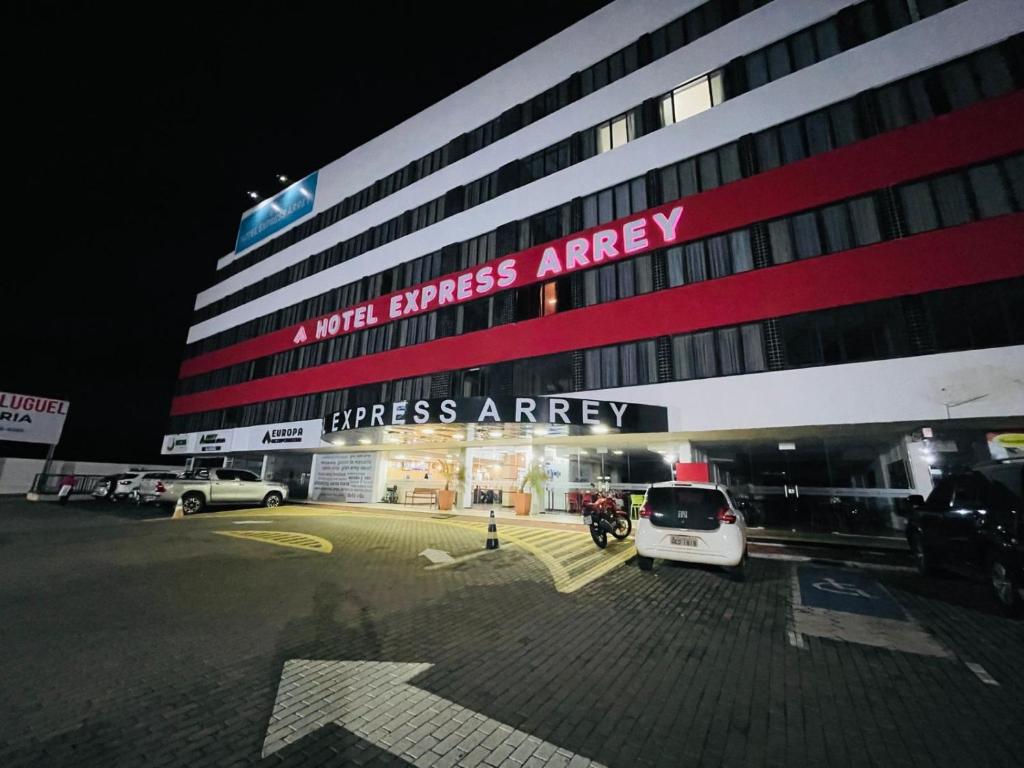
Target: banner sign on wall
[(259, 439), (30, 419), (625, 417), (617, 240), (276, 213), (278, 437), (343, 477)]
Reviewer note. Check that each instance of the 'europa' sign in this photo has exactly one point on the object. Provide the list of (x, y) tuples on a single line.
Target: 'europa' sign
[(625, 417)]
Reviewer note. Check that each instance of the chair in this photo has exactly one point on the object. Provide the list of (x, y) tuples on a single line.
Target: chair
[(636, 501)]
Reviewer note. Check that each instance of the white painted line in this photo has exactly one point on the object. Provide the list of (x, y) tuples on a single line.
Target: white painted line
[(251, 522), (464, 558), (835, 563), (863, 536), (981, 672), (796, 639)]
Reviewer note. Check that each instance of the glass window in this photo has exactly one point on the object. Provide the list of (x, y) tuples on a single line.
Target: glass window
[(719, 257), (767, 144), (729, 353), (782, 244), (717, 84), (630, 367), (742, 252), (704, 354), (592, 368), (690, 99), (729, 162), (864, 218), (818, 138), (669, 184), (1014, 168), (803, 49), (709, 170), (610, 366), (674, 263), (826, 39), (961, 90), (695, 263), (989, 191), (757, 70), (893, 107), (837, 228), (682, 357), (778, 61), (753, 348), (993, 73), (619, 135), (644, 273), (688, 184), (951, 196), (918, 209), (792, 140), (604, 138)]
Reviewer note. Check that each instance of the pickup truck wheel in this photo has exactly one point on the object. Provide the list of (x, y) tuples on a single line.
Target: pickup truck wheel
[(1005, 586), (192, 503), (645, 563), (272, 499)]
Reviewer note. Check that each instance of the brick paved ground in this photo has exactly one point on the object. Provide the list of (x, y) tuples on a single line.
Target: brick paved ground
[(160, 643)]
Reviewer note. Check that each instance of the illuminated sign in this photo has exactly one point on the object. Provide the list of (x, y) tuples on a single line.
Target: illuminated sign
[(276, 213)]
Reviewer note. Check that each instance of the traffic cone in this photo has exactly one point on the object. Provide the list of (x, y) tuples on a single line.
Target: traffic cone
[(179, 511), (492, 533)]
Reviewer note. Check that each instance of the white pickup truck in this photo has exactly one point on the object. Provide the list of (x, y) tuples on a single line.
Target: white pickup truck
[(208, 487)]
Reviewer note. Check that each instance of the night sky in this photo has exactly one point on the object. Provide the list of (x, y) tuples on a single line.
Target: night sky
[(134, 140)]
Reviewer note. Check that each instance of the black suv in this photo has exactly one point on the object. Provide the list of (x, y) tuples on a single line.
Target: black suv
[(973, 522)]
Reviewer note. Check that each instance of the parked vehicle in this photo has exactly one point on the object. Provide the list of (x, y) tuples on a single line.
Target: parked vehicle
[(691, 523), (105, 487), (603, 516), (971, 523), (147, 480), (216, 486)]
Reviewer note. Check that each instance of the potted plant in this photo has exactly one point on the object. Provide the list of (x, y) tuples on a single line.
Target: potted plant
[(452, 471), (532, 483)]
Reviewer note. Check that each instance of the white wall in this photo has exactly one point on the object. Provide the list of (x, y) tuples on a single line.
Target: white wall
[(906, 389), (953, 33), (16, 475)]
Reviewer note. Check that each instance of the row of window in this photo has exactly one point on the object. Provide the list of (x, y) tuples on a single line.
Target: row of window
[(643, 119), (698, 22), (974, 317), (950, 199), (986, 73)]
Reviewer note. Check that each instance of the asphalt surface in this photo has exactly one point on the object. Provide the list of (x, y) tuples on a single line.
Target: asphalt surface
[(133, 640)]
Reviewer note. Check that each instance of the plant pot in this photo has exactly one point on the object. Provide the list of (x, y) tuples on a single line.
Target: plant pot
[(521, 501), (445, 499)]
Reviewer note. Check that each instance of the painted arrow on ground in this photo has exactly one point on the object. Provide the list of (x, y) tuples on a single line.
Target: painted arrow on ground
[(437, 556), (375, 701)]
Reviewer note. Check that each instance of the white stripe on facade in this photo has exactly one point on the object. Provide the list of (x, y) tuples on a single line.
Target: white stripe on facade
[(953, 33)]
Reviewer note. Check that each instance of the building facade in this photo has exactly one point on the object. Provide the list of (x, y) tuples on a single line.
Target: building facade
[(779, 243)]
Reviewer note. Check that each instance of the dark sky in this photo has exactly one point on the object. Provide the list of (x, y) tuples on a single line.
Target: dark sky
[(135, 137)]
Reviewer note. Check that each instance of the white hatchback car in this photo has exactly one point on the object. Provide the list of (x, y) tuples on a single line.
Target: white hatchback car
[(691, 523)]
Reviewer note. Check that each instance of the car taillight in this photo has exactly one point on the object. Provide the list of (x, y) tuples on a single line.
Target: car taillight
[(160, 487), (725, 515), (645, 510)]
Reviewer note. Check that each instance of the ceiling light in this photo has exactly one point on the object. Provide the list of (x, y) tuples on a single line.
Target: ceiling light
[(459, 436), (495, 433), (617, 453), (428, 431), (540, 431), (599, 429), (582, 452), (253, 194), (282, 178), (365, 441), (340, 441)]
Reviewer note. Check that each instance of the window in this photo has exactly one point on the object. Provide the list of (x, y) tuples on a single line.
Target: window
[(689, 99), (918, 209)]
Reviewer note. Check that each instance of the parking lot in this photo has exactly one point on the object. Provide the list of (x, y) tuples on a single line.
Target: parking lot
[(314, 636)]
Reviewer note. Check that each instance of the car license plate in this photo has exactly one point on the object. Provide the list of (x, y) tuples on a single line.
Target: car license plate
[(684, 541), (586, 519)]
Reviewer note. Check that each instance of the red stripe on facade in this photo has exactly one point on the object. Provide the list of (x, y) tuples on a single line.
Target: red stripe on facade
[(974, 253), (971, 135)]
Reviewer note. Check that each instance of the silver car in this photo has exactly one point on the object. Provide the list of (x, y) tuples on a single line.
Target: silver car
[(204, 488)]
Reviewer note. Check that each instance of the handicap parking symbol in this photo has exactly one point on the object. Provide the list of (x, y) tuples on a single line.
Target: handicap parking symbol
[(848, 591)]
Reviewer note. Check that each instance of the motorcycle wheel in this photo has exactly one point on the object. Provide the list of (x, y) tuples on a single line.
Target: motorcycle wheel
[(623, 527), (599, 536)]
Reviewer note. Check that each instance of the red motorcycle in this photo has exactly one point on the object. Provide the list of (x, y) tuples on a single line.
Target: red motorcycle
[(603, 516)]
